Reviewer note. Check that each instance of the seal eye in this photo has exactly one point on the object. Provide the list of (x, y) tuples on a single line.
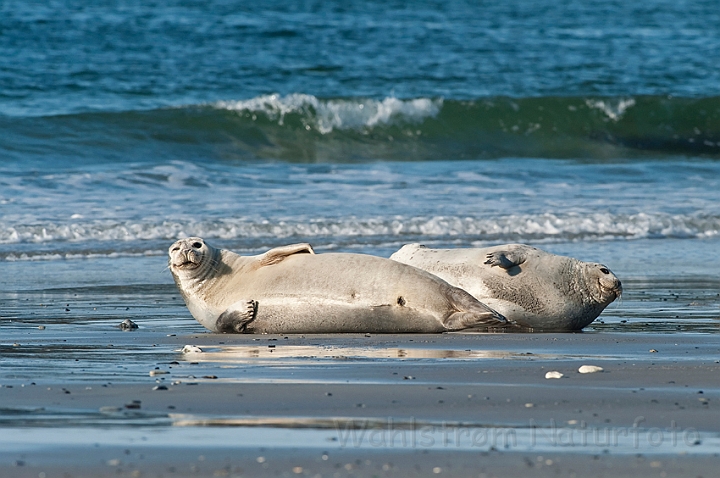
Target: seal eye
[(196, 245), (604, 270)]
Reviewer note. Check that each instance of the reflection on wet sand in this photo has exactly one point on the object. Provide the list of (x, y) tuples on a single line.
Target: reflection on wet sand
[(418, 434), (240, 353)]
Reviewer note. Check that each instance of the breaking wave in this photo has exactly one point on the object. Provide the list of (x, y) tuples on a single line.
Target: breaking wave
[(305, 128)]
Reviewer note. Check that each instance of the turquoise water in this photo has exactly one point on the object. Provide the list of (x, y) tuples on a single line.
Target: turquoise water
[(72, 56)]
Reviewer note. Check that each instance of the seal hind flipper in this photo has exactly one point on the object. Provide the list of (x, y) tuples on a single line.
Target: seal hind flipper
[(471, 313), (236, 318), (276, 255)]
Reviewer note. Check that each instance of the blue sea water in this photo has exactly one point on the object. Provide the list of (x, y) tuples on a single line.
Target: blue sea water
[(587, 128)]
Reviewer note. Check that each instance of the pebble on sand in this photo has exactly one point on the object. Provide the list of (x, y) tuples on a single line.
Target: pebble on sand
[(194, 349), (128, 324), (554, 374), (590, 369)]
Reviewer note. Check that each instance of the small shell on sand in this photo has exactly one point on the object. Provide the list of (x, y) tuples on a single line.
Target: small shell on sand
[(554, 374), (191, 349), (590, 369)]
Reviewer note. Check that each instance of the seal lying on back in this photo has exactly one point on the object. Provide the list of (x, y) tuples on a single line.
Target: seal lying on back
[(532, 287), (291, 289)]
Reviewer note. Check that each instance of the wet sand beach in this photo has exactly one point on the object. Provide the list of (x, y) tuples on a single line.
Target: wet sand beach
[(362, 405)]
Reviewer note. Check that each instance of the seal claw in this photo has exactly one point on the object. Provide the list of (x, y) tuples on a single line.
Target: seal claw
[(504, 259)]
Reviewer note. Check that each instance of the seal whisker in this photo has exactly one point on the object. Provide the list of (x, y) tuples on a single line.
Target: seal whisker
[(618, 299)]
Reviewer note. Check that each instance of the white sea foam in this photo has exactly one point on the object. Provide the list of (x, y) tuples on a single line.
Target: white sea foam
[(502, 228), (36, 257), (613, 109), (325, 116)]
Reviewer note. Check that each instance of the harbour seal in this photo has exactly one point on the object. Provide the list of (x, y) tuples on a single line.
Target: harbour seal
[(290, 289), (532, 287)]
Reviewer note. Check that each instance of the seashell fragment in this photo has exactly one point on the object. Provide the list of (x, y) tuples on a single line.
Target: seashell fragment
[(554, 374), (590, 369)]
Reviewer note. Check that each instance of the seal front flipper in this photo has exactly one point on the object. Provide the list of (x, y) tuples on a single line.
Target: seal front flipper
[(506, 259), (236, 317), (276, 255), (471, 313)]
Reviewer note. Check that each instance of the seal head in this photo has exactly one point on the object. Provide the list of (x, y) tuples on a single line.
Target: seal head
[(187, 254), (609, 286), (192, 261)]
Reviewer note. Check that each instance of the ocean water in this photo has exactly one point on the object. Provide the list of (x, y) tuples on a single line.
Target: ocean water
[(586, 128)]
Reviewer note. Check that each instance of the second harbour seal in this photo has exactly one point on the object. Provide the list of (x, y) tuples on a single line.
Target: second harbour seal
[(534, 288)]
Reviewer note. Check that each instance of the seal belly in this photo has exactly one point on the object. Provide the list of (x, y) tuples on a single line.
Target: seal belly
[(353, 279), (336, 293), (303, 317)]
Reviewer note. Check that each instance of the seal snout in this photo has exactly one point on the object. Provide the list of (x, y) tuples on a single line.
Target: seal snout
[(610, 283), (185, 258), (615, 289), (186, 253)]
